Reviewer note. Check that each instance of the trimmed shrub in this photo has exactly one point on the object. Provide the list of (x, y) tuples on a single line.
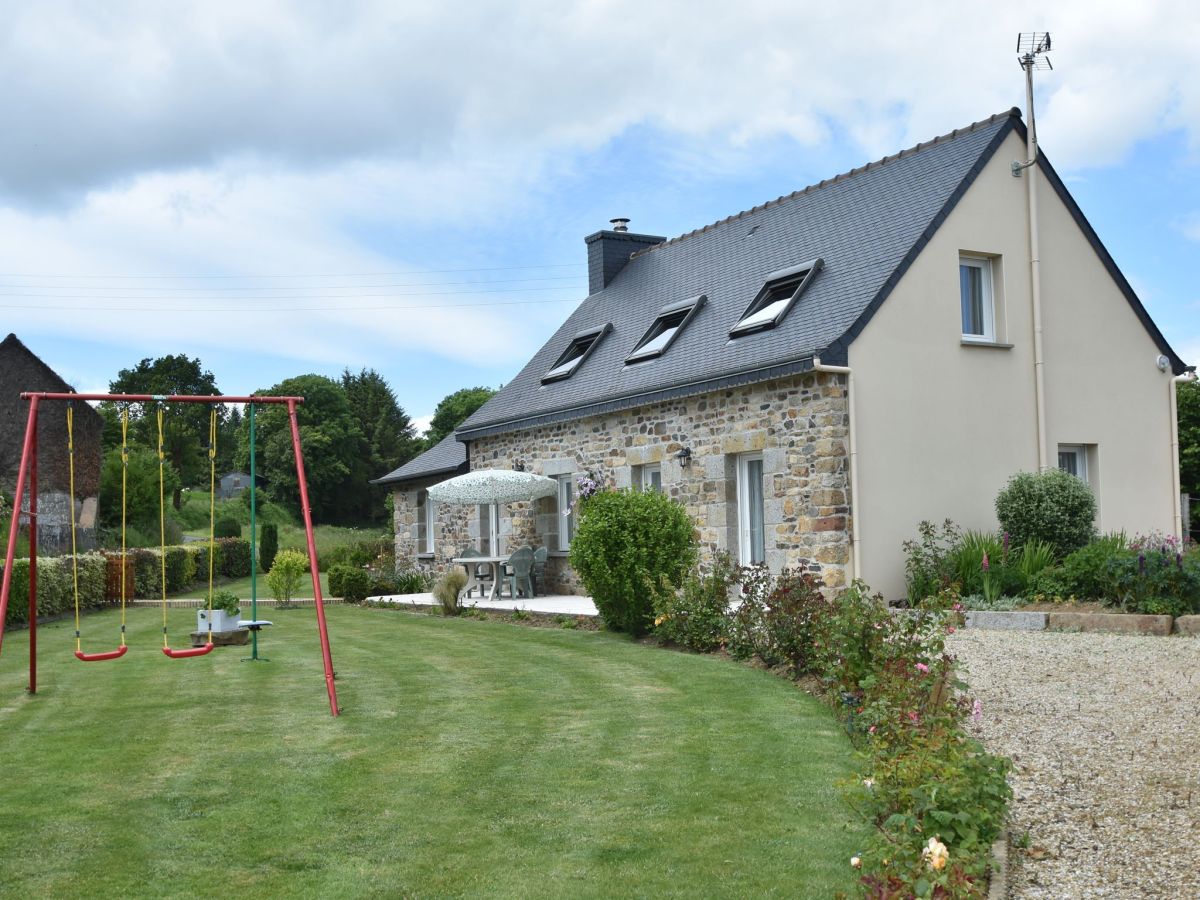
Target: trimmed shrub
[(1052, 506), (227, 528), (56, 592), (337, 579), (268, 546), (181, 569), (234, 557), (286, 574), (356, 584), (630, 544), (447, 589), (147, 573)]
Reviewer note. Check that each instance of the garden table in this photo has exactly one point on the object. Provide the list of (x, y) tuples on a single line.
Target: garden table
[(496, 563)]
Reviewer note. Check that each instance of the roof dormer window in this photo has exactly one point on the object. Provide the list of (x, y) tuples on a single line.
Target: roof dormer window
[(577, 351), (779, 292), (671, 321)]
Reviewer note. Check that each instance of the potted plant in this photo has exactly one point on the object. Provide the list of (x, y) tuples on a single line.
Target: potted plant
[(225, 613)]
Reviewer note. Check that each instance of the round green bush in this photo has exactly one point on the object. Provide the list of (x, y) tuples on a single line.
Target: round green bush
[(227, 528), (628, 544), (1051, 506)]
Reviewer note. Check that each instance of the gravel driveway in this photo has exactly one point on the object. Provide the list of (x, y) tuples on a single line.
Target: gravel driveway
[(1104, 733)]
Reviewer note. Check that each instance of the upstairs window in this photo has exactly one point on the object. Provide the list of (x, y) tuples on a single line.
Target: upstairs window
[(976, 299), (671, 321), (779, 292), (577, 351)]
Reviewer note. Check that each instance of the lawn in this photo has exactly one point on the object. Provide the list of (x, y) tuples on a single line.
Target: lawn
[(472, 758)]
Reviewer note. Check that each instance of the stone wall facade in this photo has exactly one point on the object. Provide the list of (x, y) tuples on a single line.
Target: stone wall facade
[(798, 424)]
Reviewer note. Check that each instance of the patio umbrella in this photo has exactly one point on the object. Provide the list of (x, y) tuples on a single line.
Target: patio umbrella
[(487, 486)]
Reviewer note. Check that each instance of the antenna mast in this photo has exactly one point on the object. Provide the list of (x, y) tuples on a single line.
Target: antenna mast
[(1032, 47)]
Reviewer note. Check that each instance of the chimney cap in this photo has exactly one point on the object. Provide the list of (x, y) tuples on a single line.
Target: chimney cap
[(619, 224)]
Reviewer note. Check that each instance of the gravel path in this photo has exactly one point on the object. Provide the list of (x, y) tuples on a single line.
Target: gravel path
[(1104, 732)]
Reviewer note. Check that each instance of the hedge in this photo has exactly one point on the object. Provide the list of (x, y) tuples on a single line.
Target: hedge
[(56, 595)]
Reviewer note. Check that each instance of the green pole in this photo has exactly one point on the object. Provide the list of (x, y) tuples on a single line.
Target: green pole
[(253, 544)]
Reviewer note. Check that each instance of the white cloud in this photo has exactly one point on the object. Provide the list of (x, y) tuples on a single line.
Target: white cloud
[(106, 93), (422, 423)]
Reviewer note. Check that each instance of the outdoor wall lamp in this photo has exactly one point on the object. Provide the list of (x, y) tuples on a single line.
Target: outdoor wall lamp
[(685, 457)]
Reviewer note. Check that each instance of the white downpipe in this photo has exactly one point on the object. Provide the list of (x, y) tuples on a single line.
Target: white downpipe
[(855, 539), (1176, 502), (1035, 279)]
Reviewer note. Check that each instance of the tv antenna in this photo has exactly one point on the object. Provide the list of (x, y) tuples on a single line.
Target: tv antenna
[(1032, 47)]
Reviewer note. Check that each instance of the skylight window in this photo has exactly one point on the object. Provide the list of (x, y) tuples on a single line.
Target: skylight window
[(780, 290), (670, 323), (577, 351)]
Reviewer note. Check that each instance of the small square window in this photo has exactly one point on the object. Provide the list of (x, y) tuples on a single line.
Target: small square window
[(668, 326), (778, 294), (648, 477), (976, 299), (1072, 459), (577, 351)]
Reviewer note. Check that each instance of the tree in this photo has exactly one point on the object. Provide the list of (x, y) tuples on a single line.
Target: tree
[(389, 434), (185, 426), (1188, 397), (334, 449), (141, 488), (454, 410)]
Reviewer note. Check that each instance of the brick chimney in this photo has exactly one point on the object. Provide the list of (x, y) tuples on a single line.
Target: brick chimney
[(609, 251)]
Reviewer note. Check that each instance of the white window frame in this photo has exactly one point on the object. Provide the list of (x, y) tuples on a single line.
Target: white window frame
[(490, 518), (745, 548), (987, 299), (643, 478), (566, 523), (424, 544), (1080, 452)]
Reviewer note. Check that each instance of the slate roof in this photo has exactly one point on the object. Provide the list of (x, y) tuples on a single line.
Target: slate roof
[(867, 225), (447, 457)]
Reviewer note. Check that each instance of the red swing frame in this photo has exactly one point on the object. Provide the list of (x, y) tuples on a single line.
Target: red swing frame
[(28, 472)]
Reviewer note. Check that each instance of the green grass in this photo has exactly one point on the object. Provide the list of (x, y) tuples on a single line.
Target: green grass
[(472, 758)]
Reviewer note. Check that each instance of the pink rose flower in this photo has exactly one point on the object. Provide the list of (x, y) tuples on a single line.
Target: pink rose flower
[(921, 667)]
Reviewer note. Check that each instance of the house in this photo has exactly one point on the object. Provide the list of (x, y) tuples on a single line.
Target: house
[(21, 370), (233, 483), (814, 376)]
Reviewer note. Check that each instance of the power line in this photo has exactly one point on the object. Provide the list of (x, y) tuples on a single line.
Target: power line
[(574, 265), (282, 309), (281, 297), (291, 287)]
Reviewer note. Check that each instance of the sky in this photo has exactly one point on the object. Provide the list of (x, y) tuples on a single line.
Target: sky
[(280, 188)]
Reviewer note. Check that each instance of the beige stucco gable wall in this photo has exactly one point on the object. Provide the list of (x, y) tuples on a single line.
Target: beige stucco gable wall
[(942, 425)]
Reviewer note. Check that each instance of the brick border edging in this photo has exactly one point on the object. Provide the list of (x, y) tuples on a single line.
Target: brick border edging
[(998, 883), (1106, 623)]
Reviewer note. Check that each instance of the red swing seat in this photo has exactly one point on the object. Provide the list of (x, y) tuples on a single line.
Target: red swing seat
[(98, 657), (184, 654)]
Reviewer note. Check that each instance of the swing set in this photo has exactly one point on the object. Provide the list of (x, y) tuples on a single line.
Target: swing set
[(27, 472)]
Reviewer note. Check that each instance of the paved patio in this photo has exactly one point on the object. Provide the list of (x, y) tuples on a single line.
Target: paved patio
[(552, 604)]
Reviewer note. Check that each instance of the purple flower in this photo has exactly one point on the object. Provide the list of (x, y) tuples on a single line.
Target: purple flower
[(976, 712), (985, 565)]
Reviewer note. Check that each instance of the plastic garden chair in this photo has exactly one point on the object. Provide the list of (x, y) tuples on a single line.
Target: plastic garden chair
[(520, 568), (539, 567)]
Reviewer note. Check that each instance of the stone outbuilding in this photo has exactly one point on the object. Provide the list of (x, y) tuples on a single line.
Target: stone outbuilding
[(21, 370), (813, 377)]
